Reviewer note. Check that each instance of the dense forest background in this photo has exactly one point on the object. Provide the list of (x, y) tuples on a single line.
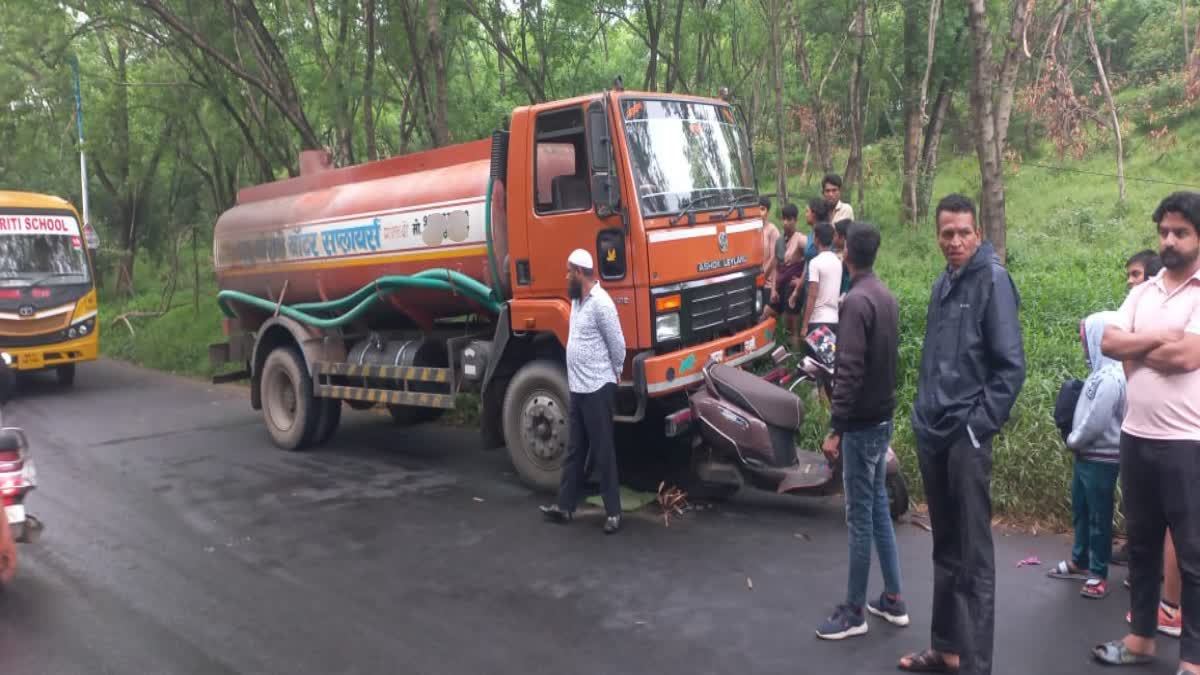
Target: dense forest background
[(1067, 119)]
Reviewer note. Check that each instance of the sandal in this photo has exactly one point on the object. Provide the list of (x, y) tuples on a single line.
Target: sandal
[(1094, 588), (927, 661), (1067, 570), (1115, 653)]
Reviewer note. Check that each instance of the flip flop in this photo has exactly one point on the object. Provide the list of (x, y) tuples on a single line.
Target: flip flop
[(1063, 571), (1115, 653), (927, 661), (1094, 588)]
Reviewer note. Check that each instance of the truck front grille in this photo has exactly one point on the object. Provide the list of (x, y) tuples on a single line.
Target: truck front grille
[(713, 308)]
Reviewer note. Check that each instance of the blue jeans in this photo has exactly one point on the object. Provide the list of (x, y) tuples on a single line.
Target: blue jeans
[(1092, 507), (864, 472)]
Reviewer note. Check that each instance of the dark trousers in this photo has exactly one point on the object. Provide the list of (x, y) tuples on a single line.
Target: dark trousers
[(958, 488), (1159, 480), (591, 426)]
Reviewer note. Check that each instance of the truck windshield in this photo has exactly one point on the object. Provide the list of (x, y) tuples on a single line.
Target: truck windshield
[(40, 249), (685, 152)]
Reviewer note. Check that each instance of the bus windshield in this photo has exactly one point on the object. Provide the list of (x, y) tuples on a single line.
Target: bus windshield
[(46, 250), (685, 152)]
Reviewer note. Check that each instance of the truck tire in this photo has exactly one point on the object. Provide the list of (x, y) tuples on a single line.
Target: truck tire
[(330, 410), (535, 418), (289, 408), (66, 375)]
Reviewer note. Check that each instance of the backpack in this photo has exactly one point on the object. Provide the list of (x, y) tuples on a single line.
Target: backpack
[(1064, 406)]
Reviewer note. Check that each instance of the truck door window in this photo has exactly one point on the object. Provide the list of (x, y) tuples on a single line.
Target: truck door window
[(561, 172)]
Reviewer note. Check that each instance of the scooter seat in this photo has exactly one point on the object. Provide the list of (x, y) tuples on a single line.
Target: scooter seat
[(775, 405), (9, 441)]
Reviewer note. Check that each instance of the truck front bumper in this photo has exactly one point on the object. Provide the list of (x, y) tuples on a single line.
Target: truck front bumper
[(668, 373)]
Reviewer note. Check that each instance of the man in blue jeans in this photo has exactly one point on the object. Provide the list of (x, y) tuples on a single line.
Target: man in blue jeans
[(864, 399)]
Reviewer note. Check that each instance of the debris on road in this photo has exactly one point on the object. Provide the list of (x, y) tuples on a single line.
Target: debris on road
[(802, 536), (749, 583), (479, 499), (1030, 561), (672, 501)]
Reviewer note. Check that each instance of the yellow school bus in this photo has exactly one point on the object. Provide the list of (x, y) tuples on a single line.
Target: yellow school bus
[(47, 286)]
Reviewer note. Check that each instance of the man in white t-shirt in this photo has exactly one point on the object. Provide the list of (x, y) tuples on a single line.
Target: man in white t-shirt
[(824, 279)]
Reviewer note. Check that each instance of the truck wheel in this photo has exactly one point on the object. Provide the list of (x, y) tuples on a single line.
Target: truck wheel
[(535, 418), (66, 375), (330, 417), (897, 491), (289, 408)]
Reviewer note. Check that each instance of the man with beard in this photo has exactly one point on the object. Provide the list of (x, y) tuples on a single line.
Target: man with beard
[(595, 358), (1157, 335), (972, 368)]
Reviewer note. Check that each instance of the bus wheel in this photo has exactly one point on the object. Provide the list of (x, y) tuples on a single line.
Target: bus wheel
[(289, 408), (535, 418), (66, 374)]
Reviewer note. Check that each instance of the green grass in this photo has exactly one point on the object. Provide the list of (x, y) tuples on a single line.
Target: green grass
[(176, 342), (1068, 239)]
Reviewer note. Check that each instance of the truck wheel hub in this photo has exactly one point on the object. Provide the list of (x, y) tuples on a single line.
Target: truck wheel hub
[(543, 428)]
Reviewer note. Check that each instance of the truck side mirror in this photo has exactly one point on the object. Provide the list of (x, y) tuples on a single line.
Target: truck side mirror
[(606, 192)]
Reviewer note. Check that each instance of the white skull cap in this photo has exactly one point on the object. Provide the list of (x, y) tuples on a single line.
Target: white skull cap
[(581, 258)]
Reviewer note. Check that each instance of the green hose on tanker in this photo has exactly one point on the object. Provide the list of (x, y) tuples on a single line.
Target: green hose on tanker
[(357, 303)]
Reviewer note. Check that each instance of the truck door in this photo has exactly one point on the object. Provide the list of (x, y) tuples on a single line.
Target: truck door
[(564, 216)]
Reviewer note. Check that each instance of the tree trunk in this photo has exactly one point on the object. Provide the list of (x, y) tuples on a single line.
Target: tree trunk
[(933, 140), (777, 83), (369, 83), (913, 116), (991, 108), (674, 73), (441, 96), (1183, 21), (653, 35), (916, 105), (854, 171), (1108, 97)]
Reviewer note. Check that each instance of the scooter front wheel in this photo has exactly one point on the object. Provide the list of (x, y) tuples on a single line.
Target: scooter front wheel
[(897, 491)]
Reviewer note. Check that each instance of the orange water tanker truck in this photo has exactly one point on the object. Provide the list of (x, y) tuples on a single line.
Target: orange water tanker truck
[(406, 281)]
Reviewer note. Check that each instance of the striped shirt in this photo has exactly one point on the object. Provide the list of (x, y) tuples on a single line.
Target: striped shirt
[(596, 345)]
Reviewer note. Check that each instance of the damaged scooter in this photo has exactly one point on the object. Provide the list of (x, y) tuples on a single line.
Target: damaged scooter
[(743, 429), (18, 477)]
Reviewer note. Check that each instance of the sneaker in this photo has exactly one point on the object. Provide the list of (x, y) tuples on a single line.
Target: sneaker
[(845, 622), (1170, 621), (891, 609)]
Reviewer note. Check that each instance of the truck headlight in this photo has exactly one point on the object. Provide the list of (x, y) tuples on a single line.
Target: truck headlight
[(666, 327)]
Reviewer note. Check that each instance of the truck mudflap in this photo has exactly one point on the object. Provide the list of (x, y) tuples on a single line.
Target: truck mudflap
[(672, 372)]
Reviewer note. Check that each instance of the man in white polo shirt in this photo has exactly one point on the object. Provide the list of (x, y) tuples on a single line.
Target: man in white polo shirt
[(595, 358), (1157, 336)]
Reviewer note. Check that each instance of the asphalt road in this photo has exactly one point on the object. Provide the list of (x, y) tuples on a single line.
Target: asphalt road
[(180, 541)]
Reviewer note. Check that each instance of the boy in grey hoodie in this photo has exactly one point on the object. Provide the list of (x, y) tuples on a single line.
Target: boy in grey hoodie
[(1095, 440)]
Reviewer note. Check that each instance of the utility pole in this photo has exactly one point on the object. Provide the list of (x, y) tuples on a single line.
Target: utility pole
[(89, 232)]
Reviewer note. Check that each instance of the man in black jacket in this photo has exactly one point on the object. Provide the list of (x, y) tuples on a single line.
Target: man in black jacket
[(972, 368), (864, 398)]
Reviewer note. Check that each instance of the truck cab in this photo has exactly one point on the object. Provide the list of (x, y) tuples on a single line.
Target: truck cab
[(661, 190)]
